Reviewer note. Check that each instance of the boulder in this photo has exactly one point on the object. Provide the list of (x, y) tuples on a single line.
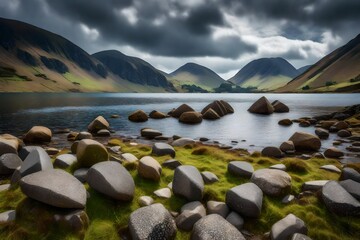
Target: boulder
[(80, 174), (279, 166), (322, 133), (331, 168), (103, 133), (236, 220), (181, 109), (8, 145), (52, 151), (339, 201), (138, 116), (245, 199), (214, 227), (129, 157), (188, 183), (4, 187), (217, 107), (209, 177), (327, 124), (149, 168), (299, 236), (272, 182), (163, 193), (77, 221), (162, 149), (341, 125), (111, 179), (350, 173), (7, 216), (344, 133), (171, 163), (98, 124), (285, 122), (287, 146), (191, 117), (65, 160), (280, 107), (37, 160), (305, 141), (152, 222), (90, 152), (182, 142), (314, 185), (272, 152), (38, 134), (286, 227), (240, 168), (210, 114), (157, 115), (228, 107), (145, 201), (54, 187), (83, 135), (304, 123), (150, 133), (9, 162), (215, 207), (351, 187), (262, 106), (74, 146), (333, 153), (288, 199), (190, 213)]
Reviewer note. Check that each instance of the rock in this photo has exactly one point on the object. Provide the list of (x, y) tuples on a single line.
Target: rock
[(333, 153), (209, 177), (54, 187), (305, 141), (353, 149), (228, 107), (52, 151), (279, 166), (351, 187), (327, 124), (245, 199), (341, 125), (299, 236), (115, 149), (114, 116), (210, 114), (150, 133), (171, 163), (318, 155), (288, 199), (138, 116), (83, 135), (80, 174), (204, 139), (9, 162), (236, 220), (4, 187), (74, 146), (72, 136), (285, 122), (286, 227), (8, 216), (262, 106), (129, 157), (90, 152), (65, 160), (314, 185), (240, 168), (339, 201), (37, 160), (280, 107), (38, 134), (145, 201), (181, 109), (217, 107), (322, 133), (8, 145), (188, 183), (111, 179), (214, 227), (304, 123), (272, 152), (344, 133), (182, 142), (15, 177), (350, 173), (163, 193), (157, 115), (215, 207), (98, 124), (190, 117), (149, 168), (331, 168), (152, 222), (336, 143), (77, 220), (272, 182), (190, 214), (103, 133), (162, 149), (287, 146)]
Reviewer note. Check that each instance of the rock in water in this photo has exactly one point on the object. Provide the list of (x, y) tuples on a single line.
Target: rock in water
[(272, 182), (217, 107), (262, 106), (54, 187), (305, 141), (228, 107), (322, 133), (90, 152), (37, 160), (182, 142), (188, 183), (161, 149), (149, 168), (157, 115), (98, 124), (181, 109), (152, 222), (214, 227), (210, 114), (333, 153), (285, 122), (245, 199), (286, 227), (111, 179), (287, 146), (150, 133), (38, 134), (138, 116), (280, 107), (191, 117)]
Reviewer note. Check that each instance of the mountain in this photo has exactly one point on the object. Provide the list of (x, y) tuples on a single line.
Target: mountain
[(195, 74), (338, 71), (265, 74), (303, 69), (36, 60)]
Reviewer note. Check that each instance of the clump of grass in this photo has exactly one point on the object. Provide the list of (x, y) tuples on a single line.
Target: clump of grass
[(199, 151), (130, 165), (295, 165), (256, 154), (102, 230)]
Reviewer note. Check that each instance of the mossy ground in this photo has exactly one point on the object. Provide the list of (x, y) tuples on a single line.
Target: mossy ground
[(109, 218)]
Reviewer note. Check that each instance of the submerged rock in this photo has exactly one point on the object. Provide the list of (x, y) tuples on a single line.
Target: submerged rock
[(181, 109), (262, 106), (191, 117), (280, 107), (138, 116)]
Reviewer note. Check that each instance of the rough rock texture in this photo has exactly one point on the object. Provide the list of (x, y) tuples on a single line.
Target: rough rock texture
[(37, 160), (188, 183), (215, 207), (161, 149), (240, 168), (272, 182), (210, 114), (262, 106), (236, 220), (190, 213), (305, 141), (98, 124), (138, 116), (286, 227), (149, 168), (181, 109), (38, 134), (90, 152)]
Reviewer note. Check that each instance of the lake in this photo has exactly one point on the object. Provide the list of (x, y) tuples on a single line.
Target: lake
[(20, 111)]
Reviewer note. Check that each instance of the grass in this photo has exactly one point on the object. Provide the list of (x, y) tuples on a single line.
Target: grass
[(109, 218)]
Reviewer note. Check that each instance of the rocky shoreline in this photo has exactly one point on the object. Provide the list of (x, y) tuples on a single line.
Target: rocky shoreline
[(155, 187)]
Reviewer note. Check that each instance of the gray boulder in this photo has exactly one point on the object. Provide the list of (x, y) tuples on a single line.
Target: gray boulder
[(279, 166), (272, 182), (8, 216), (209, 177), (188, 183), (129, 157), (351, 187), (272, 152), (80, 174), (305, 141), (331, 168), (163, 193), (145, 201), (215, 207), (214, 227), (286, 227), (314, 185), (111, 179), (37, 160), (150, 133), (190, 213), (182, 142), (161, 149), (98, 124), (171, 163), (350, 173), (9, 162), (152, 222), (149, 168), (54, 187), (240, 168), (236, 220), (245, 199), (65, 160)]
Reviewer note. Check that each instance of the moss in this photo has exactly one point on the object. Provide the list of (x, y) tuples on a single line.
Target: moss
[(295, 165)]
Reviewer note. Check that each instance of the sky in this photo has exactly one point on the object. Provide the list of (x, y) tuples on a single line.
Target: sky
[(223, 35)]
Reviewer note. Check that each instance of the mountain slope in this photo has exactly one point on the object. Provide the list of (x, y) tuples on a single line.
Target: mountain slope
[(338, 71), (303, 69), (265, 74), (195, 74)]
